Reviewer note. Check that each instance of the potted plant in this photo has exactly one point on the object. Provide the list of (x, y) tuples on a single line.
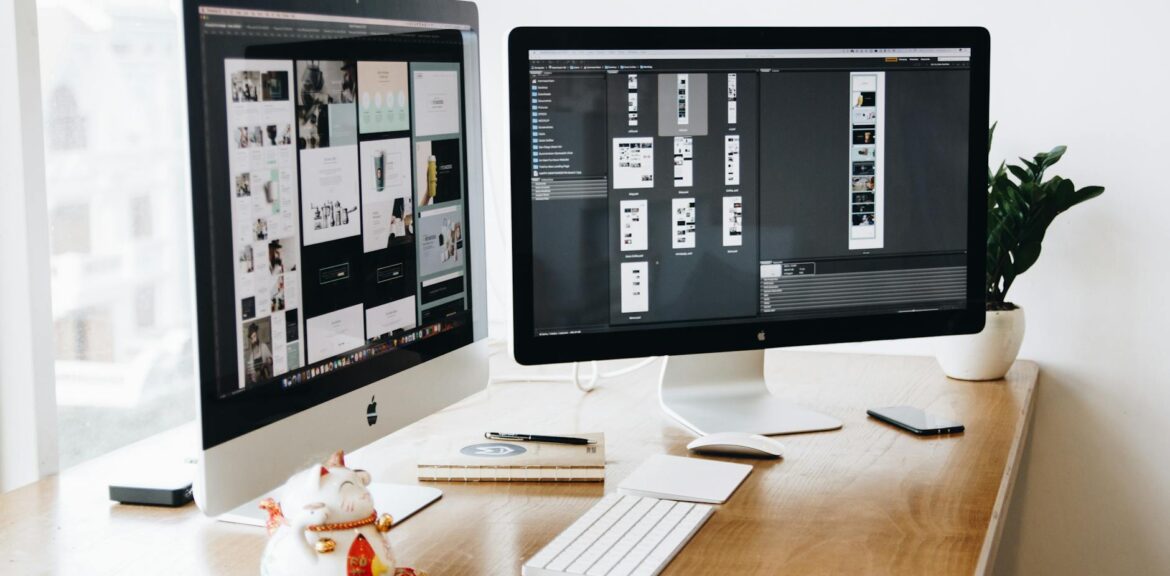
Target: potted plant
[(1021, 205)]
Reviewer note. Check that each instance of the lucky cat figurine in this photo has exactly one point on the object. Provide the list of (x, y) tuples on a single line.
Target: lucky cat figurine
[(325, 525)]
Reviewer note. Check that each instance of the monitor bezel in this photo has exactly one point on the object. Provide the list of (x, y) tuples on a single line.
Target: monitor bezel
[(531, 349)]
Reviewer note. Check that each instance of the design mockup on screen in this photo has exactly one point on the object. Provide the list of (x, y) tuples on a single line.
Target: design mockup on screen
[(795, 184), (344, 184)]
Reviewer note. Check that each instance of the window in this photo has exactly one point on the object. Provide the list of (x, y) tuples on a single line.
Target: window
[(70, 225), (116, 156), (64, 126), (141, 217)]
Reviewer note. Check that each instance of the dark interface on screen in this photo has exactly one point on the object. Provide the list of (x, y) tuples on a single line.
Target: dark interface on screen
[(696, 187)]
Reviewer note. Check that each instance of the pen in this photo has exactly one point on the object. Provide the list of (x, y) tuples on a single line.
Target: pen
[(536, 438)]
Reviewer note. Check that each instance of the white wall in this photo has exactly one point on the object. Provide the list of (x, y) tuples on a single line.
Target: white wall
[(1094, 492)]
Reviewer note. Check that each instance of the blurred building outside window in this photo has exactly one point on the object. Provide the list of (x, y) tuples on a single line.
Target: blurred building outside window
[(112, 83)]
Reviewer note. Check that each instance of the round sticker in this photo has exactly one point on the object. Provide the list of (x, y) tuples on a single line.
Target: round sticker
[(493, 450)]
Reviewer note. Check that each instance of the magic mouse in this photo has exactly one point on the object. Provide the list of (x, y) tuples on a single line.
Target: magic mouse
[(738, 444)]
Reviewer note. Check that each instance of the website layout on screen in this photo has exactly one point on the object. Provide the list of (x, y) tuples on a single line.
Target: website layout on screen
[(699, 187), (340, 167)]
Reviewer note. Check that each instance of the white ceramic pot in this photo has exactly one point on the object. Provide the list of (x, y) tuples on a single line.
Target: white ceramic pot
[(987, 355)]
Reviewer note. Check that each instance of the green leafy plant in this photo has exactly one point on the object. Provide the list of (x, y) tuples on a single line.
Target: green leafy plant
[(1021, 205)]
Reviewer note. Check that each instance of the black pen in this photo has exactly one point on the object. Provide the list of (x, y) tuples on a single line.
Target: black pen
[(536, 438)]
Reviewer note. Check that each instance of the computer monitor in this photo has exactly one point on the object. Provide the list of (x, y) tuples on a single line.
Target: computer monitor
[(707, 193), (335, 155)]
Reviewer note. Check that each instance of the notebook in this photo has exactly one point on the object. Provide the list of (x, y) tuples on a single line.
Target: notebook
[(475, 459), (687, 479)]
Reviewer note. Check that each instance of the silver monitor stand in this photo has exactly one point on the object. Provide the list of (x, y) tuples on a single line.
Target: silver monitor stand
[(725, 392)]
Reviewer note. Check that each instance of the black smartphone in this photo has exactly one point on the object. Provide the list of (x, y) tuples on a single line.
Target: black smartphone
[(915, 420)]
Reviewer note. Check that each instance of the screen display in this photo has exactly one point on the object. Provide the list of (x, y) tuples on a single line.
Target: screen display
[(335, 208), (674, 188)]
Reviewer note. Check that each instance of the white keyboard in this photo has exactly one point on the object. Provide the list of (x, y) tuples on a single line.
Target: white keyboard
[(621, 536)]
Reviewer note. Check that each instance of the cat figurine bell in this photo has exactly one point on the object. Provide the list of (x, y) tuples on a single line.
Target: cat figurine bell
[(325, 525)]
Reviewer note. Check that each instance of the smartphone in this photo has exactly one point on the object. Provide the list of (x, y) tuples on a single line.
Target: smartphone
[(915, 420)]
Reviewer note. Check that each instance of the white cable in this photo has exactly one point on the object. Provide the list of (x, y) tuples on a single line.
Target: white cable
[(592, 379), (575, 378), (631, 368)]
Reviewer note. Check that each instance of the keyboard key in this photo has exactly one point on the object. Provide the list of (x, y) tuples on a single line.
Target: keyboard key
[(631, 539), (611, 537), (669, 547), (621, 536), (573, 531), (566, 557)]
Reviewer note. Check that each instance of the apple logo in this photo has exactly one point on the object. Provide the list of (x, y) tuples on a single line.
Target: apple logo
[(372, 412), (761, 336)]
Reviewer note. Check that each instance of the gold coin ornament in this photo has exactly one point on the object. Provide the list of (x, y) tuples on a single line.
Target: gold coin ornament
[(384, 523)]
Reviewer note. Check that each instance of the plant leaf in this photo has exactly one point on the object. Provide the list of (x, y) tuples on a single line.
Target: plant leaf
[(1009, 276), (1020, 173), (1021, 206), (1053, 156), (1064, 194), (1086, 193), (1024, 256)]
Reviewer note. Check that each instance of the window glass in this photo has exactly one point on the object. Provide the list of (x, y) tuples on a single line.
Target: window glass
[(116, 170)]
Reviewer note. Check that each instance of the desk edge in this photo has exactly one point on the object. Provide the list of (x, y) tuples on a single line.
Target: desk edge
[(1031, 371)]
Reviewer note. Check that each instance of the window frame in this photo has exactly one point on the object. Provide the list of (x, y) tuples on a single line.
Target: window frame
[(28, 407)]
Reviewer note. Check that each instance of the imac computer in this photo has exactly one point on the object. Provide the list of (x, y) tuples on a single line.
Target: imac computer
[(337, 209), (707, 193)]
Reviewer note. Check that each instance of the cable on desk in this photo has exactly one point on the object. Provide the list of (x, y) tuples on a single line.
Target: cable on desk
[(595, 375)]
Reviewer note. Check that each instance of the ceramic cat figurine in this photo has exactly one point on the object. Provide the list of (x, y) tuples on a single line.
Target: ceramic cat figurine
[(325, 525)]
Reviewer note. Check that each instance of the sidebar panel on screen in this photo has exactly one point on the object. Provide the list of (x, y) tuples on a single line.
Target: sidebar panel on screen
[(866, 216), (569, 183)]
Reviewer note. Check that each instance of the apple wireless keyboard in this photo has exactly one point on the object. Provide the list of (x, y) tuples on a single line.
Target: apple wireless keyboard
[(621, 536)]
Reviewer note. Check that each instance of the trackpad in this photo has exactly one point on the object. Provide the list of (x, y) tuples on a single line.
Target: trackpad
[(400, 501)]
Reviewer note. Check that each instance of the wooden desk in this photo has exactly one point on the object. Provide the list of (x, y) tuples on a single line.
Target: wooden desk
[(867, 499)]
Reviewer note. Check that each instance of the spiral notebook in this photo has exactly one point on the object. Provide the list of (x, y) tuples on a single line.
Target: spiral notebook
[(475, 459)]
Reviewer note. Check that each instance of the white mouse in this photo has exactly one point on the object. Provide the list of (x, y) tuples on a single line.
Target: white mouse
[(738, 444)]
